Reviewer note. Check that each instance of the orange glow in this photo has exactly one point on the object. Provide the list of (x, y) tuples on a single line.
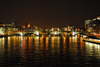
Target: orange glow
[(78, 29), (28, 25), (64, 40), (23, 26), (78, 35), (47, 43), (43, 35), (91, 33), (70, 39), (41, 43), (65, 30)]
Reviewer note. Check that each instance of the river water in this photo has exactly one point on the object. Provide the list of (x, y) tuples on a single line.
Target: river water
[(48, 51)]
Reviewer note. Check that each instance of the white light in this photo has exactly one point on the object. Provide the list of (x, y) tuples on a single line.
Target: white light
[(37, 37), (52, 29), (98, 18), (21, 34), (37, 33), (55, 33), (73, 33), (58, 29)]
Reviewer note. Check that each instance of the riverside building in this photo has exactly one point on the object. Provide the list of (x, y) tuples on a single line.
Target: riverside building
[(93, 26)]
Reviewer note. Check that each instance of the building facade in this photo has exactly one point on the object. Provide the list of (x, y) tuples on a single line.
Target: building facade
[(7, 28), (93, 26)]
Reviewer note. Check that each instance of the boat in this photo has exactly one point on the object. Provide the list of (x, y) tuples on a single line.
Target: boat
[(92, 39)]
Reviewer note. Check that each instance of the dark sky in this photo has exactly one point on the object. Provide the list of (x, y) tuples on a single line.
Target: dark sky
[(48, 13)]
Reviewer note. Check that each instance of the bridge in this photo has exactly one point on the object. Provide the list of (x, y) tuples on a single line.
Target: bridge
[(70, 32), (49, 32), (77, 32), (24, 33)]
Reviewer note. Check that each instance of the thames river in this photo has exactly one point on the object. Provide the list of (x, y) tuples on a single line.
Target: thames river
[(48, 51)]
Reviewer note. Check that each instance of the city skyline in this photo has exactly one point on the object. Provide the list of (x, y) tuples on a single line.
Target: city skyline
[(48, 13), (49, 33)]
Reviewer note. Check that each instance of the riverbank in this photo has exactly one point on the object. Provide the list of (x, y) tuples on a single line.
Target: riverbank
[(7, 35)]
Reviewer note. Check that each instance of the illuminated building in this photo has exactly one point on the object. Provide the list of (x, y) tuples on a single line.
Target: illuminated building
[(93, 25), (28, 25), (96, 24), (2, 30), (25, 26), (55, 29), (6, 28), (65, 29), (88, 25), (70, 27)]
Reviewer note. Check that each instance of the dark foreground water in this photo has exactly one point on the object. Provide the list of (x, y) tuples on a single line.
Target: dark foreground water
[(55, 51)]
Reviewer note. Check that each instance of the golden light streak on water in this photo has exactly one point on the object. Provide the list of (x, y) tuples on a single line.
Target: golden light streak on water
[(58, 45), (30, 42), (64, 40), (70, 39), (47, 42), (90, 48), (9, 39), (75, 39), (52, 42), (41, 39), (41, 43), (37, 49), (64, 45)]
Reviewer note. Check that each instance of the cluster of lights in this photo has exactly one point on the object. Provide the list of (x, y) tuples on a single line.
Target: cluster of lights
[(21, 34), (55, 33), (37, 33)]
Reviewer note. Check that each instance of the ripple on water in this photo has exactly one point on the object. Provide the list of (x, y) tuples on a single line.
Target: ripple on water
[(42, 51)]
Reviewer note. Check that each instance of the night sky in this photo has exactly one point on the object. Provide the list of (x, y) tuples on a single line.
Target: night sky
[(49, 13)]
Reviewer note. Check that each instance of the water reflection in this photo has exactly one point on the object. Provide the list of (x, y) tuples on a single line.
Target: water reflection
[(92, 49), (47, 43), (52, 50), (55, 44)]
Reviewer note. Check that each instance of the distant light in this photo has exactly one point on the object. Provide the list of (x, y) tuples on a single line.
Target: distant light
[(52, 29), (28, 25), (55, 33), (23, 26), (37, 37), (21, 34), (13, 23), (37, 33), (73, 33)]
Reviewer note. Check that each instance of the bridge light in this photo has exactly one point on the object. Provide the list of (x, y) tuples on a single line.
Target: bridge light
[(73, 33), (78, 29), (52, 29), (21, 34), (55, 33), (58, 29), (37, 33), (37, 37)]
